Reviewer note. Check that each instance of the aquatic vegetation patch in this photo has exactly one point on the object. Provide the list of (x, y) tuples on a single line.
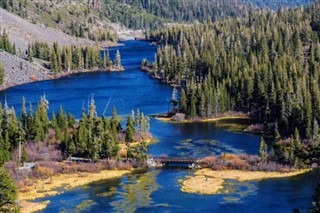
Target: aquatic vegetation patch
[(136, 192), (235, 191), (84, 205), (110, 193), (204, 147)]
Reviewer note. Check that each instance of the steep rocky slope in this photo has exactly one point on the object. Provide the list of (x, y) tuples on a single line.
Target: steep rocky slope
[(21, 32), (19, 71)]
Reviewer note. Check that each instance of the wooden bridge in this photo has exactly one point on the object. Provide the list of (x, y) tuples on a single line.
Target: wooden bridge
[(164, 161)]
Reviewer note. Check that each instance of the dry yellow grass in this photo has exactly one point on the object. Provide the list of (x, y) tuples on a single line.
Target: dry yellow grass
[(122, 144), (42, 188), (164, 119), (202, 185), (123, 147), (247, 175), (207, 181), (27, 207)]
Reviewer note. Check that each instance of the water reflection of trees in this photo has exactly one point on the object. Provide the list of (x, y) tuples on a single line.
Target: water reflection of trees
[(136, 192)]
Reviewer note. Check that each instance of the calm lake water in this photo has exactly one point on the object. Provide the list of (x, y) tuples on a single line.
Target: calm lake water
[(158, 190)]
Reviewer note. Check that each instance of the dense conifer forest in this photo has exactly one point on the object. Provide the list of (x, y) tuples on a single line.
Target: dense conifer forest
[(90, 137), (72, 57), (266, 64), (248, 56), (152, 14)]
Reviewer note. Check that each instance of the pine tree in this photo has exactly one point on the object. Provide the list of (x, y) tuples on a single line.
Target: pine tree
[(8, 192), (183, 101), (316, 134), (272, 154), (174, 98), (82, 135), (30, 54), (130, 132), (23, 114), (24, 156), (71, 148), (2, 73), (263, 150), (118, 59), (53, 61), (292, 157), (297, 140), (115, 122), (106, 146), (59, 18)]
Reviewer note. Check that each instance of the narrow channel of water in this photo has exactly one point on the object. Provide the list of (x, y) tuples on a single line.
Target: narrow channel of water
[(158, 190)]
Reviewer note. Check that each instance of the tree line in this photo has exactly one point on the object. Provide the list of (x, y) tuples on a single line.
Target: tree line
[(69, 58), (90, 137), (266, 64), (148, 14)]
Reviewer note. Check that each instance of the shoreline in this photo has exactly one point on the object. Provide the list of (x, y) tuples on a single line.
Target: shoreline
[(123, 147), (42, 187), (209, 182), (59, 183), (50, 76), (48, 187), (237, 123), (165, 118)]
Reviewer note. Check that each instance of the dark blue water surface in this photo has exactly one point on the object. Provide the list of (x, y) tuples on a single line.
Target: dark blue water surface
[(157, 190)]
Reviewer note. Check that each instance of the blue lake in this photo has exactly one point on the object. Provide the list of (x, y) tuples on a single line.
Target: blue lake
[(156, 190)]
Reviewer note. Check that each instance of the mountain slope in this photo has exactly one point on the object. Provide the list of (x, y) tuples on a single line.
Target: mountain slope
[(81, 18), (19, 71), (21, 32)]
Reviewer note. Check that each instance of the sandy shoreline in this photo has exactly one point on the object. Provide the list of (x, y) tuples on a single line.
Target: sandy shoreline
[(208, 181)]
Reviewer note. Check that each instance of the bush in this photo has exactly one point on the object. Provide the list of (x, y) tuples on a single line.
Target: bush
[(242, 162)]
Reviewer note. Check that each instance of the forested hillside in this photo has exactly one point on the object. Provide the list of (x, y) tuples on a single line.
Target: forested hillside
[(266, 64), (91, 18), (150, 14)]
